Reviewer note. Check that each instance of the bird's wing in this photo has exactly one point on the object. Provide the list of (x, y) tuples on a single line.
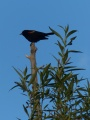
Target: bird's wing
[(31, 31)]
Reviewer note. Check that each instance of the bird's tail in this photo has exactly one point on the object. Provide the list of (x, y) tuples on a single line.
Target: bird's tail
[(51, 33)]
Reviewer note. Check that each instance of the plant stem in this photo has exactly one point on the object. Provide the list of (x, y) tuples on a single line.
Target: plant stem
[(36, 101)]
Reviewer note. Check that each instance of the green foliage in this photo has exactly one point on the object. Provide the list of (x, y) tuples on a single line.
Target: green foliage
[(24, 82), (58, 91)]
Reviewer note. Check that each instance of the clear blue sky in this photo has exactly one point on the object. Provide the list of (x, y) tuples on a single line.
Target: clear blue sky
[(17, 15)]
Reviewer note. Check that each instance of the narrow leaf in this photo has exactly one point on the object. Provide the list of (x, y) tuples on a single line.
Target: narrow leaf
[(56, 33), (55, 58), (68, 67), (27, 76), (33, 77), (75, 69), (46, 68), (66, 29), (25, 71), (18, 73), (73, 38), (74, 51), (65, 57), (60, 54), (26, 110), (60, 46), (67, 76), (45, 106), (14, 87), (61, 27), (70, 33), (47, 92)]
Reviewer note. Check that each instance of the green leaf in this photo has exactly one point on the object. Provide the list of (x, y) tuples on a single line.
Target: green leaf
[(45, 106), (24, 86), (33, 77), (70, 33), (46, 82), (56, 33), (60, 46), (65, 57), (18, 73), (68, 67), (51, 85), (75, 69), (67, 76), (82, 89), (14, 87), (25, 109), (74, 51), (41, 77), (61, 27), (55, 58), (19, 84), (69, 90), (46, 76), (25, 71), (27, 76), (46, 68), (60, 54), (73, 38), (47, 92), (60, 72), (66, 29)]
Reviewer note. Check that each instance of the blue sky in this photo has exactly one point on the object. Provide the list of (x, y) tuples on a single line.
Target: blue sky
[(17, 15)]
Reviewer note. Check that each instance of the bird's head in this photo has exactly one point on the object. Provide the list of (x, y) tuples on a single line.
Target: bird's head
[(25, 32)]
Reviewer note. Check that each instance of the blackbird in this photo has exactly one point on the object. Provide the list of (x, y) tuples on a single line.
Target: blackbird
[(35, 36)]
